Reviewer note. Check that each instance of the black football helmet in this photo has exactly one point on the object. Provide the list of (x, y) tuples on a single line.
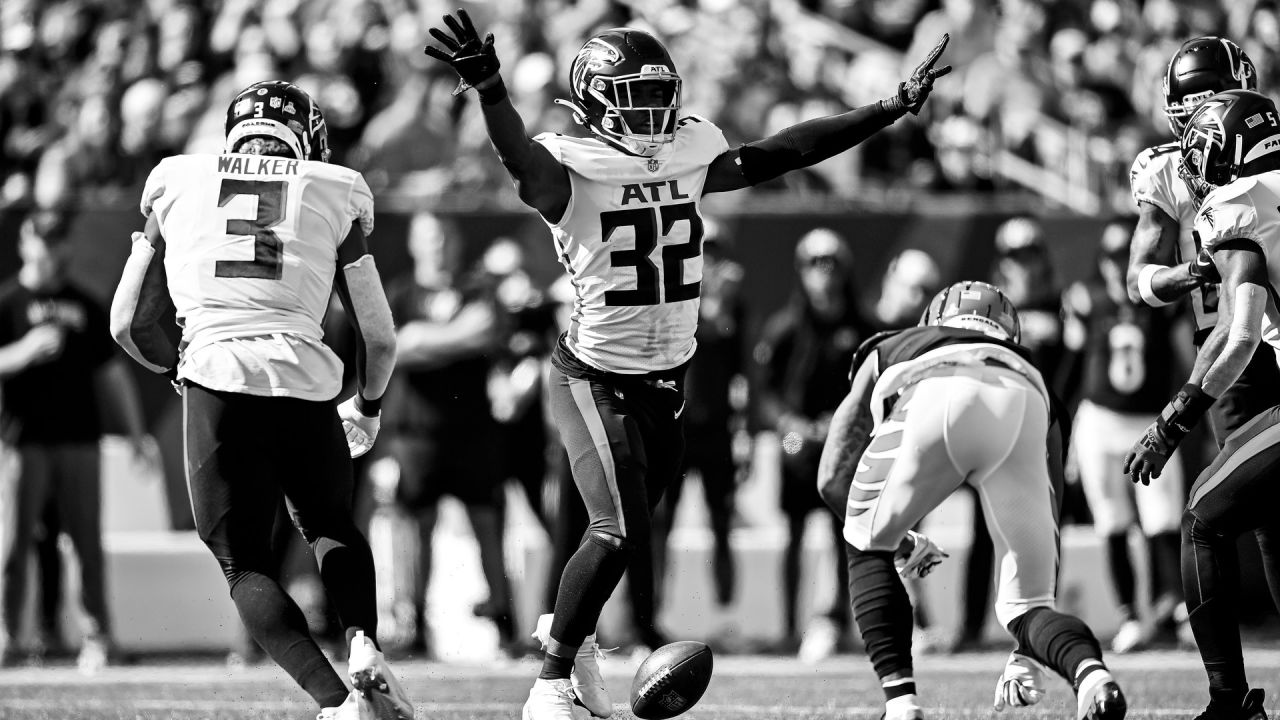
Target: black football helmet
[(1202, 67), (282, 111), (1228, 133), (623, 86), (977, 306)]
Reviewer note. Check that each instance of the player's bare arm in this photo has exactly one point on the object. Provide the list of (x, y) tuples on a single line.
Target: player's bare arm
[(141, 299), (1151, 279), (426, 344), (1222, 359), (541, 182), (847, 438), (813, 141)]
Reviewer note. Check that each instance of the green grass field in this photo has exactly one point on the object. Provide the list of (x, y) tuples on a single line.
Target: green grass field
[(1158, 684)]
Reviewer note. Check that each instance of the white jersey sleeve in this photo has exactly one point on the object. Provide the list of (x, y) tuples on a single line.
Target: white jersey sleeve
[(631, 241), (251, 246)]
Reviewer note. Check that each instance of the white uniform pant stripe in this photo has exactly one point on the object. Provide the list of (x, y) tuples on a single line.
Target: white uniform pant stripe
[(582, 397), (1254, 445)]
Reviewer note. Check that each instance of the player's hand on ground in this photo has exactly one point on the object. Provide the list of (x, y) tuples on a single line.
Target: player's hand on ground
[(1147, 458), (361, 429), (915, 89), (1021, 684), (923, 556), (43, 343), (473, 59)]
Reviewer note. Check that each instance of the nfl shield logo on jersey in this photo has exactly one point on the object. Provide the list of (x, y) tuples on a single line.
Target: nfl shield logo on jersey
[(653, 165)]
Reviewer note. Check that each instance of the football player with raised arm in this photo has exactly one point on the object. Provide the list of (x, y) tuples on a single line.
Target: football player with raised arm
[(247, 248), (623, 208), (1232, 143), (951, 402)]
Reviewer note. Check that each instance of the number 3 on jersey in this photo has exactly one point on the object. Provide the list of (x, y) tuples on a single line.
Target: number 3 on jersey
[(644, 222), (267, 262)]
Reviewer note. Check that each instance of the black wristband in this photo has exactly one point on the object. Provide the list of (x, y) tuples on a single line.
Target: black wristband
[(894, 105), (1183, 412), (493, 94), (368, 408)]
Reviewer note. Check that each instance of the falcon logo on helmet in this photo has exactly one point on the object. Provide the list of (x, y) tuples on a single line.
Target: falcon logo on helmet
[(1202, 67), (977, 306), (623, 86), (279, 110), (1220, 143)]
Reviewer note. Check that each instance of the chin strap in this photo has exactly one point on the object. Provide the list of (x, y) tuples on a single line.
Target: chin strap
[(579, 115)]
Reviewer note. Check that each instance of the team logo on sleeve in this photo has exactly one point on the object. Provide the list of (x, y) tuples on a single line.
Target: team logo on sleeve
[(1207, 215)]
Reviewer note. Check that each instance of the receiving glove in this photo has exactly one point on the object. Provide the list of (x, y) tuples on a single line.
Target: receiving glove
[(925, 555), (913, 91), (1022, 683), (361, 429), (474, 60), (1202, 269)]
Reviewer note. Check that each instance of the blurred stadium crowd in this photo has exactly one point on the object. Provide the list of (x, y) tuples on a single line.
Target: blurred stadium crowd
[(94, 92)]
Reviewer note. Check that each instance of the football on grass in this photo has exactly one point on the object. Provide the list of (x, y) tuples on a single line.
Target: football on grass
[(671, 680)]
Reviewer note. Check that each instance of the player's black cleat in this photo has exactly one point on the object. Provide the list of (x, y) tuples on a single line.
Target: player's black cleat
[(1108, 704), (1251, 709)]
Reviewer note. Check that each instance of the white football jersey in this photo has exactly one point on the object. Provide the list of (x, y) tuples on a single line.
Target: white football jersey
[(1154, 179), (1248, 209), (631, 240), (251, 251)]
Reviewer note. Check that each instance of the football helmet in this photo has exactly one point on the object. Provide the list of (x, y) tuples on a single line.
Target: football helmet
[(279, 110), (1229, 132), (623, 86), (1202, 67), (977, 306)]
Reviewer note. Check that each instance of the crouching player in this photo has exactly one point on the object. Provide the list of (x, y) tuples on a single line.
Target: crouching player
[(931, 408)]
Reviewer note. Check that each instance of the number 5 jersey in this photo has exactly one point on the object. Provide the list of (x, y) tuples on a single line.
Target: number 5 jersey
[(251, 248), (631, 241)]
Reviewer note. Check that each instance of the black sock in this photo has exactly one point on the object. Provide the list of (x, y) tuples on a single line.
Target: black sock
[(882, 610), (346, 570), (588, 580), (1165, 551), (277, 624), (1210, 576), (1121, 571), (1061, 642), (555, 667)]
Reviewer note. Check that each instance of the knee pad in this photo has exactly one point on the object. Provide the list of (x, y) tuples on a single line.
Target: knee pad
[(610, 542)]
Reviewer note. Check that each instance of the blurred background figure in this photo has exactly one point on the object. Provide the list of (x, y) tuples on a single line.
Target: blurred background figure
[(1123, 361), (439, 420), (908, 284), (515, 380), (1023, 269), (802, 364), (58, 374), (715, 403)]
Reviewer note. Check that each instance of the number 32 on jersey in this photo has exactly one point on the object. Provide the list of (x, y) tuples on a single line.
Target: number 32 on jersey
[(654, 285)]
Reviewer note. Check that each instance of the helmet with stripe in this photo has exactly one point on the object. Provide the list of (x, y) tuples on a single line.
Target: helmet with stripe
[(623, 86), (1202, 67), (1233, 134), (974, 305), (279, 110)]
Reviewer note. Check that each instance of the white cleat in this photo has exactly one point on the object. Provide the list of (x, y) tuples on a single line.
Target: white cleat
[(550, 700), (1131, 636), (355, 707), (374, 680), (585, 679)]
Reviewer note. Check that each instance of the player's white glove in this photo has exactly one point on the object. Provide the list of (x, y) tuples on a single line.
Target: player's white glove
[(925, 555), (1022, 683), (361, 429)]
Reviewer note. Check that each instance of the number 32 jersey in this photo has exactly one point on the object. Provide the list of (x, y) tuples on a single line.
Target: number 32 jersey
[(631, 240), (251, 247)]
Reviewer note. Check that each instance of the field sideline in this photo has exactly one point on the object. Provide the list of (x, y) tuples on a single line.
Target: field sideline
[(1159, 685)]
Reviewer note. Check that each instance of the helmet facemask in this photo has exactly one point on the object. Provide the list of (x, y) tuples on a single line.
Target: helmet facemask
[(1203, 145)]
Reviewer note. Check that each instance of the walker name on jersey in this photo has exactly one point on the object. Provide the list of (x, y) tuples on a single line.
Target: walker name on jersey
[(636, 192), (248, 165)]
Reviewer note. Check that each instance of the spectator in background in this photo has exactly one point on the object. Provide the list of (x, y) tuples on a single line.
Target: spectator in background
[(1024, 271), (1126, 369), (57, 363), (714, 403), (803, 365), (439, 418), (910, 281)]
